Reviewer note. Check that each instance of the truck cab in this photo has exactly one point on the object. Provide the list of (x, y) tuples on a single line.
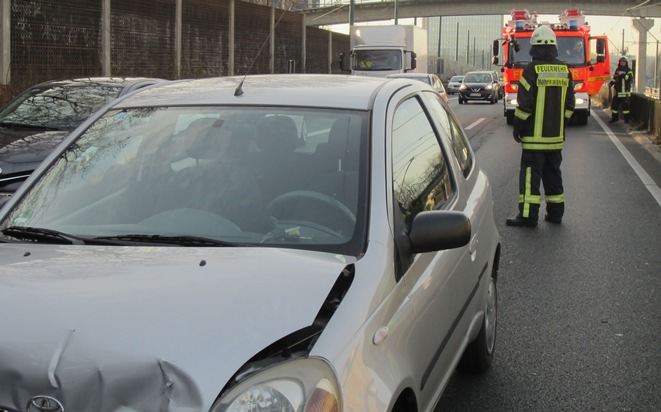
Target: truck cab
[(585, 55), (380, 50)]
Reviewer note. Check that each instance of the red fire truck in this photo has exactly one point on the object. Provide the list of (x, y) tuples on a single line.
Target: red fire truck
[(587, 57)]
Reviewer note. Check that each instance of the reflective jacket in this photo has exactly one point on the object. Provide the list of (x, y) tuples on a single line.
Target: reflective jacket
[(621, 82), (545, 102)]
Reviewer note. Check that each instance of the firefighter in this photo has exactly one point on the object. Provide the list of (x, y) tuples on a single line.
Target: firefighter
[(545, 103), (621, 84)]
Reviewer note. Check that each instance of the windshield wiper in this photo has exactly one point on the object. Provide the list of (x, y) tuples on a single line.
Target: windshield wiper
[(39, 234), (44, 235), (28, 126), (181, 240)]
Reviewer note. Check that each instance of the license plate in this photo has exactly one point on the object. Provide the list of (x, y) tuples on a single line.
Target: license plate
[(475, 95)]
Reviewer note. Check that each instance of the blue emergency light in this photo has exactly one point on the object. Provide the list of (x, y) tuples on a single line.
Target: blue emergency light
[(573, 24), (519, 24)]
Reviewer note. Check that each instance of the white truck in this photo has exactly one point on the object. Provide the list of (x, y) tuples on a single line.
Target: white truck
[(386, 49)]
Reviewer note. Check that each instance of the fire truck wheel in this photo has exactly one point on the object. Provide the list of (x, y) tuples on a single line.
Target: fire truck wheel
[(582, 118), (510, 117)]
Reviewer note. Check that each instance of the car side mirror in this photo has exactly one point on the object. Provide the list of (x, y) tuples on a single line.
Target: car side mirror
[(437, 230)]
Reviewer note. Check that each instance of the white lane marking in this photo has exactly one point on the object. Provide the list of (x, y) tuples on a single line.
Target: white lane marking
[(642, 174), (475, 123)]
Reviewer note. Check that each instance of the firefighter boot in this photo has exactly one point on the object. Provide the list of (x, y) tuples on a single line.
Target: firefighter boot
[(614, 118), (521, 221)]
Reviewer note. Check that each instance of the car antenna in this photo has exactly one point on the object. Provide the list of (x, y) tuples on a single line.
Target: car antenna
[(239, 89)]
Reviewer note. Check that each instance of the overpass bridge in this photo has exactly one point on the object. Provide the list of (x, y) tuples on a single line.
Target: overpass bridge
[(338, 12)]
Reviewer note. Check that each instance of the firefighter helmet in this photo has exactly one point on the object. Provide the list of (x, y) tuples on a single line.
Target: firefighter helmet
[(624, 59), (542, 36)]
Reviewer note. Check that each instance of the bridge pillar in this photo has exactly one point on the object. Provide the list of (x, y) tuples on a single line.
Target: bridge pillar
[(5, 43), (642, 26), (105, 38)]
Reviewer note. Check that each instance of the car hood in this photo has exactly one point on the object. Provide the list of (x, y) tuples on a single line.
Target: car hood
[(471, 84), (102, 328), (23, 150)]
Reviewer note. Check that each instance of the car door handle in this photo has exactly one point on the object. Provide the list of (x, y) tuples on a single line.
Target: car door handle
[(472, 248)]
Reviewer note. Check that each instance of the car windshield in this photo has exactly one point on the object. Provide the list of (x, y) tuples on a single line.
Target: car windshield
[(457, 79), (377, 60), (246, 176), (58, 107), (478, 78)]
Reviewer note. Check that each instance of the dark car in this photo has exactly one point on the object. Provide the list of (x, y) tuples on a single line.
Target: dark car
[(38, 119), (479, 85)]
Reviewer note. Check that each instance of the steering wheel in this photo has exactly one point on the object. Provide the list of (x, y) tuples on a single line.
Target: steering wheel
[(315, 207)]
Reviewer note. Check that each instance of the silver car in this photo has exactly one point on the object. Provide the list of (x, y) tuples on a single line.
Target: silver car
[(454, 84), (429, 78), (283, 242)]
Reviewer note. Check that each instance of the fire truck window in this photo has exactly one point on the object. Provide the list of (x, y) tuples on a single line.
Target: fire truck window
[(571, 50), (522, 57)]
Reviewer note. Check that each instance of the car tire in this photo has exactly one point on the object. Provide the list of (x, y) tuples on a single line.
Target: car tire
[(461, 101), (478, 356)]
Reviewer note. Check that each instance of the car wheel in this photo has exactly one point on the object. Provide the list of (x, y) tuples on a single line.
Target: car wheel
[(478, 355), (461, 101)]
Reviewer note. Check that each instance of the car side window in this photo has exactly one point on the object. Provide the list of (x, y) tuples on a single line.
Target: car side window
[(448, 125), (421, 177), (436, 83)]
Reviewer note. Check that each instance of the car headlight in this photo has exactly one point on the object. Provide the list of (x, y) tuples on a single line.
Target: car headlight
[(462, 87), (306, 385), (489, 87)]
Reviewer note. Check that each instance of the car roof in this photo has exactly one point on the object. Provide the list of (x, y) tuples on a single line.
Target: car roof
[(100, 81), (307, 90), (409, 75)]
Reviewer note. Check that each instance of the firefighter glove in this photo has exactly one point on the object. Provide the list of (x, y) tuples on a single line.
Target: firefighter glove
[(517, 135)]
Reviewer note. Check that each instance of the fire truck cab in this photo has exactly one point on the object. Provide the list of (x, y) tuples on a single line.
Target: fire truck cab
[(587, 57)]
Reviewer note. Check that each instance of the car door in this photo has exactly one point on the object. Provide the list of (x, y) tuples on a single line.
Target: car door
[(440, 284)]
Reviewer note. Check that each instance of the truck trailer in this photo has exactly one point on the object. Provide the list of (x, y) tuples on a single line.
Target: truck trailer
[(381, 50)]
